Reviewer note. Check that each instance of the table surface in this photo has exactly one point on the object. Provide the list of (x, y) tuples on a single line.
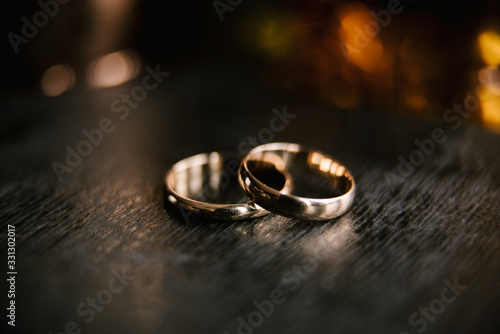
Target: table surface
[(419, 253)]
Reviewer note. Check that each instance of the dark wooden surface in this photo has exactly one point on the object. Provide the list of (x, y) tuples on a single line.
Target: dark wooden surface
[(369, 270)]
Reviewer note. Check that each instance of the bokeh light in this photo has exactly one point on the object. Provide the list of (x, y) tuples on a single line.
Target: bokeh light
[(57, 80), (113, 69), (489, 46), (275, 35), (359, 32), (489, 93)]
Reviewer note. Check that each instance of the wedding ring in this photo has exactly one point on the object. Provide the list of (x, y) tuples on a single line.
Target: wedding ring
[(331, 186), (207, 183)]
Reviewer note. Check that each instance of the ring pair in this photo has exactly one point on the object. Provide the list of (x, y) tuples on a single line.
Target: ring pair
[(288, 179)]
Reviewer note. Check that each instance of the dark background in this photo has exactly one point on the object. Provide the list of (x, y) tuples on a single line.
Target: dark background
[(389, 256)]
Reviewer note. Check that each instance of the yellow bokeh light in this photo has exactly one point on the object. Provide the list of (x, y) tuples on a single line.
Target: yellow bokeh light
[(489, 47), (490, 109), (274, 36)]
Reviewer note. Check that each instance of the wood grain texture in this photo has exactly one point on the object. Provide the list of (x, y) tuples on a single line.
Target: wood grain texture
[(365, 272)]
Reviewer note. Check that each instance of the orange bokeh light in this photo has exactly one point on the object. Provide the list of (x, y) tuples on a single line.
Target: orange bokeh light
[(113, 69), (359, 33), (57, 80)]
